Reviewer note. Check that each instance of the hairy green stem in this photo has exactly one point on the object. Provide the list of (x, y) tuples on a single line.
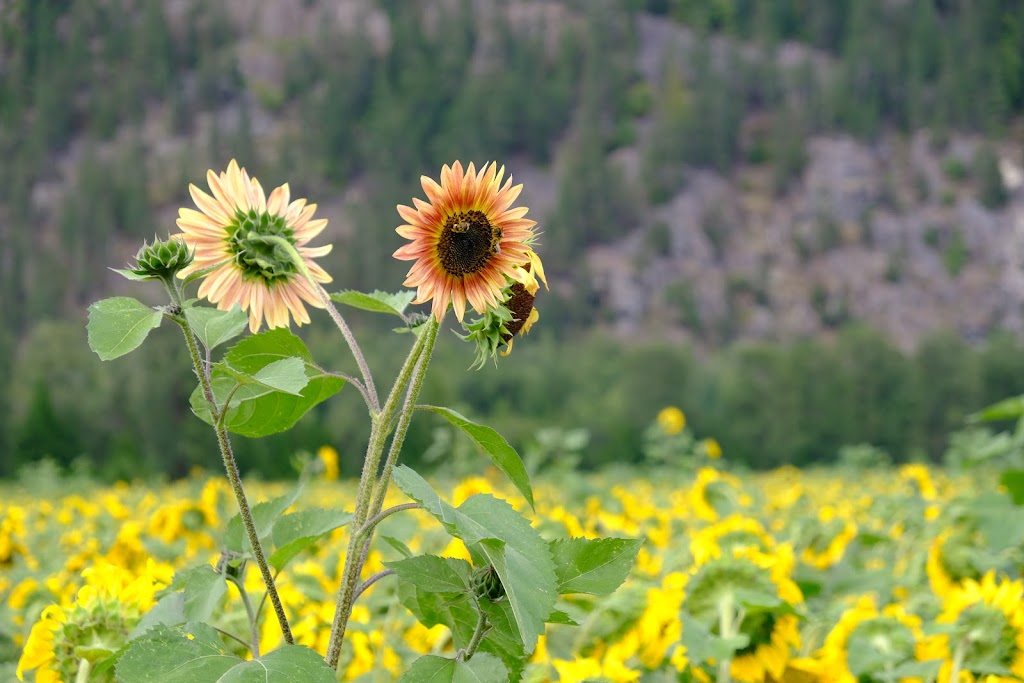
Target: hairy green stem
[(478, 637), (372, 580), (254, 631), (231, 467), (405, 417), (410, 376)]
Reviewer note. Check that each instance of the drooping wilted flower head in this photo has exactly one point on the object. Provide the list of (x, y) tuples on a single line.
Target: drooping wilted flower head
[(466, 242), (237, 230)]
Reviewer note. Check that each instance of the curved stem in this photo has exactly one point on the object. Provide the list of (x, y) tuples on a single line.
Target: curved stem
[(478, 637), (231, 467), (384, 514), (232, 636), (357, 353), (372, 580), (254, 632), (378, 439), (371, 391)]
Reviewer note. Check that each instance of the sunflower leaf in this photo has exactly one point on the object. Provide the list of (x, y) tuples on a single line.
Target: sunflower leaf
[(195, 652), (504, 457), (594, 566), (376, 301), (202, 588), (264, 516), (119, 325), (256, 410), (433, 574), (497, 535), (297, 531), (213, 326), (434, 669)]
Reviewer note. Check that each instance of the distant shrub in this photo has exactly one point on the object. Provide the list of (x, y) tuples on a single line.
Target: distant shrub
[(991, 192), (955, 169), (955, 255)]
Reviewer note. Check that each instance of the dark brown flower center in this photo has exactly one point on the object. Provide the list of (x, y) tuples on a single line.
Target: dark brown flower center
[(521, 306), (468, 240)]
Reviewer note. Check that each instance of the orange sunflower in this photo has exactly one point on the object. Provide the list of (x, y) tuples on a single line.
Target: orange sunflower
[(235, 233), (467, 243)]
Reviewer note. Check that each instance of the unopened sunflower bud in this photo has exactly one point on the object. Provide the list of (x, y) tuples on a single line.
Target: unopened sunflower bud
[(162, 259), (487, 585)]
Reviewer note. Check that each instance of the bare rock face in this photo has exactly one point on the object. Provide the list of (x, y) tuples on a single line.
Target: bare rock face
[(845, 243)]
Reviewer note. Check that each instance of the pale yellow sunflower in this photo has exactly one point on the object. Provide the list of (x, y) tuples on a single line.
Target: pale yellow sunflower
[(467, 243), (236, 229)]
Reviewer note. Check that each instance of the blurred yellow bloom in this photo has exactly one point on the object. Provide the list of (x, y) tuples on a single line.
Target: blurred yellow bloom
[(329, 457), (712, 449), (671, 420), (39, 650)]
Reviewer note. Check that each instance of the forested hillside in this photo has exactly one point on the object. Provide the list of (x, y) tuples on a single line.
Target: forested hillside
[(802, 222)]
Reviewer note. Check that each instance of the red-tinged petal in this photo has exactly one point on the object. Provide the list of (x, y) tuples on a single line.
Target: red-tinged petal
[(410, 216)]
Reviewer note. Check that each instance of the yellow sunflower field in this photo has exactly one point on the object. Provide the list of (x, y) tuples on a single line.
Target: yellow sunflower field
[(892, 573)]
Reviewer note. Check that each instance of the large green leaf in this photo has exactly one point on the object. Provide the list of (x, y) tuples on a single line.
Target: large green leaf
[(288, 664), (254, 410), (203, 589), (119, 325), (377, 301), (295, 532), (459, 615), (190, 654), (596, 566), (213, 326), (195, 654), (433, 574), (482, 668), (504, 457), (498, 535)]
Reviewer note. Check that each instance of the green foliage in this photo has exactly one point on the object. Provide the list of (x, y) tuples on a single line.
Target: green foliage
[(955, 169), (594, 566), (504, 457), (119, 325), (195, 652), (955, 255), (496, 535), (991, 191), (214, 327), (269, 381)]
